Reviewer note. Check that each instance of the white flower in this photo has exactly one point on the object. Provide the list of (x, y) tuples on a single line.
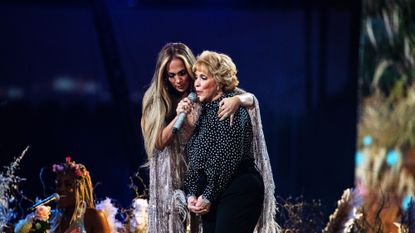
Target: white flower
[(42, 213), (140, 214)]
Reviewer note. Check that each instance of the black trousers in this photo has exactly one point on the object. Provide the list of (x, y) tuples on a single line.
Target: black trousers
[(238, 209)]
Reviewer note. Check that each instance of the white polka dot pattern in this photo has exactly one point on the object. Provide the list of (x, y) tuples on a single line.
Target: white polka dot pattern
[(216, 150)]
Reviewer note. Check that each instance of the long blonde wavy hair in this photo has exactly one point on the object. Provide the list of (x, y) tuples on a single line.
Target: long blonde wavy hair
[(160, 99)]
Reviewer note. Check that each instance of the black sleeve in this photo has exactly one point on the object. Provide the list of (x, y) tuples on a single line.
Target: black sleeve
[(225, 154)]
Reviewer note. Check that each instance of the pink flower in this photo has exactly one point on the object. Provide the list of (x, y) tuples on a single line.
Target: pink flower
[(68, 159), (54, 168), (362, 190), (42, 213), (57, 168), (78, 173)]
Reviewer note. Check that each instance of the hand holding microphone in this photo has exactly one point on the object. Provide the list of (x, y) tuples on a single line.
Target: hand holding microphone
[(182, 115), (53, 197)]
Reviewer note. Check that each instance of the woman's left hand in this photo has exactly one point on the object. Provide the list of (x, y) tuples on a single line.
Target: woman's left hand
[(199, 206), (228, 107), (202, 205)]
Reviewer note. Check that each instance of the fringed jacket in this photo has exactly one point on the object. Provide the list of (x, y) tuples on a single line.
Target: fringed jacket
[(167, 206)]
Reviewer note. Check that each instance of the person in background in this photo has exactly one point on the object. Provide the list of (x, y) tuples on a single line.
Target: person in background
[(75, 212)]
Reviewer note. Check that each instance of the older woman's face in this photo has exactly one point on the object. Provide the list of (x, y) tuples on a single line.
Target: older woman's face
[(178, 76), (66, 187), (206, 87)]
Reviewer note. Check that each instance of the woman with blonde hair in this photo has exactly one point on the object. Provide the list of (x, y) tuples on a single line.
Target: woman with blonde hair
[(229, 180), (165, 98), (75, 212)]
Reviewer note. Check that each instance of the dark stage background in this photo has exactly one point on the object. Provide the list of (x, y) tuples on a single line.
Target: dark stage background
[(73, 73)]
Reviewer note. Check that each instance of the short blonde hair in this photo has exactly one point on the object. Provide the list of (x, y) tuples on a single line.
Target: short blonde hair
[(220, 66)]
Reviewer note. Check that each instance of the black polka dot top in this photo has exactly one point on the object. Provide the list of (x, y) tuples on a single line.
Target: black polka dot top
[(216, 149)]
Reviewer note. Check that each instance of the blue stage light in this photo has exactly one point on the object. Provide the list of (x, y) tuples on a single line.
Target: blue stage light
[(15, 93), (367, 140), (392, 157), (406, 201), (359, 158), (63, 83)]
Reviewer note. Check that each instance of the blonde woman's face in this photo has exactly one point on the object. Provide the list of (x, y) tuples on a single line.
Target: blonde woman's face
[(178, 76), (66, 187), (206, 87)]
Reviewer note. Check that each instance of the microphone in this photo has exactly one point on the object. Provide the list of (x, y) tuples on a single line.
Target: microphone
[(53, 197), (179, 122)]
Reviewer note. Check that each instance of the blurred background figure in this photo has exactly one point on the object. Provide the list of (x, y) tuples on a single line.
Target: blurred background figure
[(385, 154), (75, 211)]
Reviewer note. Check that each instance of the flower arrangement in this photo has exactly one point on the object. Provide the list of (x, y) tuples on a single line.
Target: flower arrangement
[(385, 158), (37, 222), (110, 212), (139, 216), (41, 220), (77, 170), (347, 213), (298, 215), (9, 187), (134, 218)]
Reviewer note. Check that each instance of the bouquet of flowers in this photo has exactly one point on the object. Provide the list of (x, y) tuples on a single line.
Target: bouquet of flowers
[(139, 215), (41, 220), (37, 222)]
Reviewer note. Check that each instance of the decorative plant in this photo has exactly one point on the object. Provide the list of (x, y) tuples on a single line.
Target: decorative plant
[(9, 188), (385, 158)]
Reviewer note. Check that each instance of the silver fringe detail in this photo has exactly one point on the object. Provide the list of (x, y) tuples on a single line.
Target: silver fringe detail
[(166, 175), (266, 222), (180, 210)]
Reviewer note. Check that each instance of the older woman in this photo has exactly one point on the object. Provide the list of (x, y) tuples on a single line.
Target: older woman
[(163, 101), (222, 180)]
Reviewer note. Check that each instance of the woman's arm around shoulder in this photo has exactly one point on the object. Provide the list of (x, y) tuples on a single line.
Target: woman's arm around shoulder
[(96, 221), (229, 106)]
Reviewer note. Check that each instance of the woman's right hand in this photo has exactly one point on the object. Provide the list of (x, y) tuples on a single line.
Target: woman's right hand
[(185, 105), (191, 204), (199, 206), (191, 200)]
